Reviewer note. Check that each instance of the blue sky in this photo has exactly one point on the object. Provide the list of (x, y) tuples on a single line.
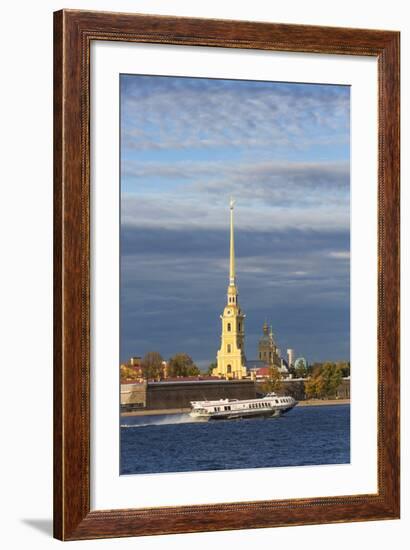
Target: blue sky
[(282, 151)]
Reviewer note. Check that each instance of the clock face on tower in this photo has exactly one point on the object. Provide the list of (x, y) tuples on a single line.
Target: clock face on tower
[(228, 312)]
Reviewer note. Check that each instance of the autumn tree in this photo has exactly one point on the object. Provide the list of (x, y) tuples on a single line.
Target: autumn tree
[(152, 365), (126, 373), (312, 388), (273, 382), (181, 364), (324, 381)]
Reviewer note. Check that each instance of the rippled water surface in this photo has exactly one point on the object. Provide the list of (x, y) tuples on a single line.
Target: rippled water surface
[(173, 443)]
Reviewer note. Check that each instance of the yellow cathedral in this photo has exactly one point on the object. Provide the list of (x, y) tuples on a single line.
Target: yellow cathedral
[(231, 359)]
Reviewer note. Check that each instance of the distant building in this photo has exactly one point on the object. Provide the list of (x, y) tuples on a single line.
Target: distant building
[(291, 357), (165, 369)]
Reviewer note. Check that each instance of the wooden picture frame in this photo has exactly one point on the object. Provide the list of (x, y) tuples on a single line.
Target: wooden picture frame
[(74, 32)]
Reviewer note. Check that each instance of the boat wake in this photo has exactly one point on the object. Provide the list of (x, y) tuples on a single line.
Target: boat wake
[(155, 421)]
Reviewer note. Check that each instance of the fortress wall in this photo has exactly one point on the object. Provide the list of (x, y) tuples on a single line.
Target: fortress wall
[(133, 396), (178, 395), (168, 395)]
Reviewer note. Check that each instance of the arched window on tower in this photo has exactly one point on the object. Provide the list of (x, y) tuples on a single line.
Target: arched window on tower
[(229, 369), (228, 328), (228, 348), (239, 327)]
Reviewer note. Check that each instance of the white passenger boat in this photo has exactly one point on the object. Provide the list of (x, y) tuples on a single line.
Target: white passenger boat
[(270, 405)]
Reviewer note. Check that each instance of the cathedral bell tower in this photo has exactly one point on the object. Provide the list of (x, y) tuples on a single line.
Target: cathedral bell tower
[(231, 355), (268, 350)]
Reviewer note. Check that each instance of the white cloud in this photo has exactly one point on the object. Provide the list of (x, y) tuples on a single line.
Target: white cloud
[(339, 254), (181, 113)]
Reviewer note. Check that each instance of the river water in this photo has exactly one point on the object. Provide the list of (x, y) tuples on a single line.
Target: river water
[(173, 443)]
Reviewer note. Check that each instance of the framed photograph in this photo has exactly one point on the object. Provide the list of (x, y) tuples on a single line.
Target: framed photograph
[(226, 275)]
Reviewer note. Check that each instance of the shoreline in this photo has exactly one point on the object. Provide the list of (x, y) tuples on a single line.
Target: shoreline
[(306, 403), (322, 402)]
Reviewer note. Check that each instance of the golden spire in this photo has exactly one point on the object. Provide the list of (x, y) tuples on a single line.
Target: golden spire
[(232, 249)]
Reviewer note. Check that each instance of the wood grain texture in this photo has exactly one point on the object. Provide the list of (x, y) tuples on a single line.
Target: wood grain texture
[(73, 33)]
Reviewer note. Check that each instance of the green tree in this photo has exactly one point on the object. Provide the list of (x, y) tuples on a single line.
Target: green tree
[(181, 364), (273, 382), (211, 367), (292, 371), (344, 367), (301, 371), (152, 365), (331, 375)]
